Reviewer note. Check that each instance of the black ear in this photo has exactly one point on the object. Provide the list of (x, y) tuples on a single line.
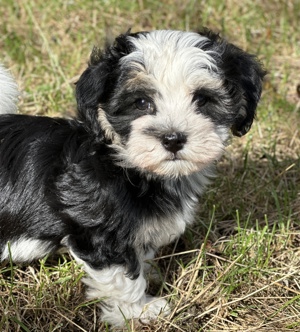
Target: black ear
[(243, 76), (91, 84), (90, 90), (97, 81)]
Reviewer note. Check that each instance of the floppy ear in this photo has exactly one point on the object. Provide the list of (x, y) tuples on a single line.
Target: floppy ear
[(91, 86), (244, 72), (243, 76), (96, 83), (89, 92)]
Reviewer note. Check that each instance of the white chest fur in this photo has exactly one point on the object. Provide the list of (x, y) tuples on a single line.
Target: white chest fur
[(158, 232)]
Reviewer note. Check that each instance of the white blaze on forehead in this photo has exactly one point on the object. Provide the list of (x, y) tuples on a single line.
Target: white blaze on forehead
[(171, 56)]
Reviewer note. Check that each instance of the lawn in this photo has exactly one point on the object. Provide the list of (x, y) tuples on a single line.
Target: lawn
[(238, 267)]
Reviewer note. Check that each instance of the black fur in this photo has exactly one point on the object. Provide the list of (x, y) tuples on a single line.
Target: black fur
[(56, 180), (243, 76)]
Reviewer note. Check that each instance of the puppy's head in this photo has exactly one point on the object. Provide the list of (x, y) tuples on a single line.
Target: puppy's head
[(167, 100)]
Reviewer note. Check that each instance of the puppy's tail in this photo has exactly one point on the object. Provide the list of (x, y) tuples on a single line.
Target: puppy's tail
[(9, 92)]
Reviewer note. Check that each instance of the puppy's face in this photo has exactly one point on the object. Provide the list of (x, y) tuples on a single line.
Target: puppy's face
[(167, 99)]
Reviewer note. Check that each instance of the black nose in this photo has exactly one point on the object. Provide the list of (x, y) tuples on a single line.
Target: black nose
[(173, 142)]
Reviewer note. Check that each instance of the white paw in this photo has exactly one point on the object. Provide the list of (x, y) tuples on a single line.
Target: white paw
[(145, 310), (154, 307)]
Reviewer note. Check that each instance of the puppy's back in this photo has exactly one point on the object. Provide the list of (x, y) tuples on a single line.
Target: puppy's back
[(8, 92)]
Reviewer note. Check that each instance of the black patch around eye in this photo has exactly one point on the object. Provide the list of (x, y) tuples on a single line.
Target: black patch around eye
[(200, 99)]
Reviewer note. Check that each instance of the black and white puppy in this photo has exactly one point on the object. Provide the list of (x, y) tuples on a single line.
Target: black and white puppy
[(155, 111)]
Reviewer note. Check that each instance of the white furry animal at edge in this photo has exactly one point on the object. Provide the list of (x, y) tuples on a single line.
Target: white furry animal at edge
[(9, 92)]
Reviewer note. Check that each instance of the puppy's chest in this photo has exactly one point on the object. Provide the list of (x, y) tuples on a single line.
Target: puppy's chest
[(159, 230)]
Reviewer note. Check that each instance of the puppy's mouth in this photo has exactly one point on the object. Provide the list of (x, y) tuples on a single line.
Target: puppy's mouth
[(174, 157), (176, 166), (177, 158)]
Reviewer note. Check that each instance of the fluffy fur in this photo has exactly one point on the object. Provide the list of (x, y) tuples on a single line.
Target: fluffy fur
[(8, 92), (155, 111)]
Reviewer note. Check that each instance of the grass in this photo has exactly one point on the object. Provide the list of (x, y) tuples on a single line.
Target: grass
[(237, 268)]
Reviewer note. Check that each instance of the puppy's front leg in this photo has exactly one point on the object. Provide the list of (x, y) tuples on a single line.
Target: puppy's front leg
[(122, 296)]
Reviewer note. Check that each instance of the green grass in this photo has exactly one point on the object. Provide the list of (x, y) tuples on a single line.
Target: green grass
[(237, 268)]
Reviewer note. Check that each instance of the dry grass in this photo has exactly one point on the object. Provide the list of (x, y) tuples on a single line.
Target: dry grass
[(237, 269)]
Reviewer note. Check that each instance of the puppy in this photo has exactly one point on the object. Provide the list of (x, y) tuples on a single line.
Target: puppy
[(122, 179)]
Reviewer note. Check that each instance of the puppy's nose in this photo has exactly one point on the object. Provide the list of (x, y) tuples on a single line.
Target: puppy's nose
[(174, 142)]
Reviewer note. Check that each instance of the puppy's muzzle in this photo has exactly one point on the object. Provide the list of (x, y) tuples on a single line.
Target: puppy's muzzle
[(174, 142)]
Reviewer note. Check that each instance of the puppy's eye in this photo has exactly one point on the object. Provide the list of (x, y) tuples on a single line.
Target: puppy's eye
[(200, 99), (144, 104)]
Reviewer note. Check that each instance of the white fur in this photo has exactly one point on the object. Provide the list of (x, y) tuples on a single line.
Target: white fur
[(107, 127), (8, 92), (162, 50), (171, 62), (160, 232), (203, 147), (25, 249), (123, 298)]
